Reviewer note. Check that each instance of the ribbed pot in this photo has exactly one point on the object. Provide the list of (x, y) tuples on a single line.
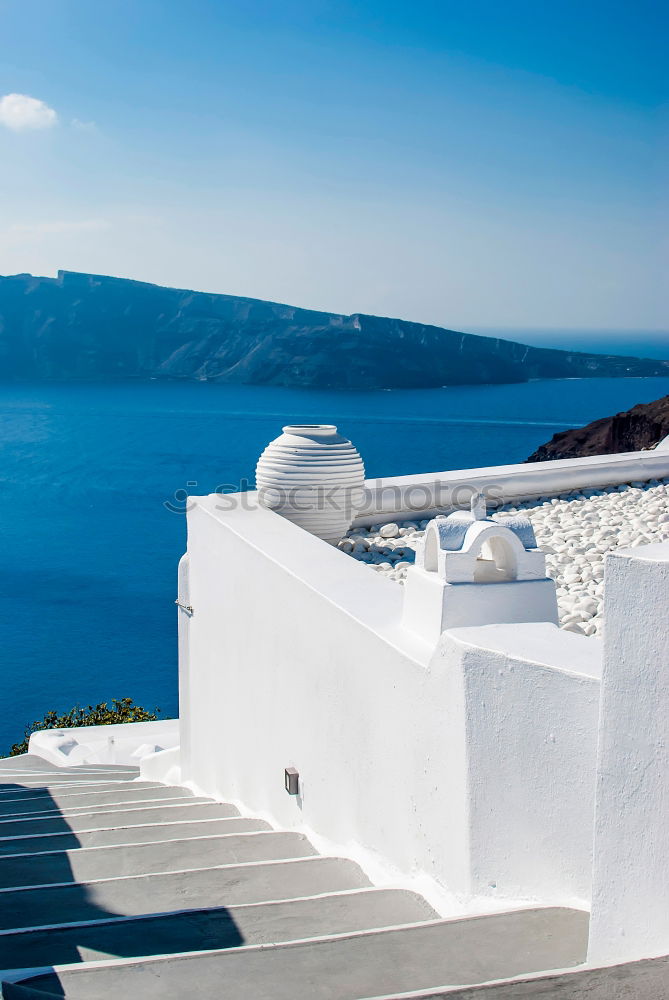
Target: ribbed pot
[(314, 477)]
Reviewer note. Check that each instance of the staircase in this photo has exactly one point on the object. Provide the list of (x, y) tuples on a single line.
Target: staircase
[(114, 887)]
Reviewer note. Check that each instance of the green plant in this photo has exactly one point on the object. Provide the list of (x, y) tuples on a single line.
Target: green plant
[(121, 710)]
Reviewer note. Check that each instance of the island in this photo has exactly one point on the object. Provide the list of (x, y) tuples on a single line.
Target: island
[(94, 327)]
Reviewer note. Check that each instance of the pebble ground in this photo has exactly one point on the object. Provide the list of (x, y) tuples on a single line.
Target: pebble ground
[(575, 531)]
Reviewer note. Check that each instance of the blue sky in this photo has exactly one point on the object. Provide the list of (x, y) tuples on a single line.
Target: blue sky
[(474, 165)]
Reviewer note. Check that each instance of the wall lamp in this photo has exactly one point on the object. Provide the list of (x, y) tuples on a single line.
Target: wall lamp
[(292, 780)]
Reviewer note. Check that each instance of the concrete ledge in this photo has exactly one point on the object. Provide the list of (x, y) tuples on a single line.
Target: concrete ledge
[(124, 743), (430, 493), (163, 766)]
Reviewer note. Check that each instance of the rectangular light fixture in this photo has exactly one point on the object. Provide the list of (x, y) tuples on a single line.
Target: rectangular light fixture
[(292, 780)]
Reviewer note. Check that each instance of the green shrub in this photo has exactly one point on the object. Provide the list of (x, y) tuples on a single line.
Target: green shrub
[(121, 710)]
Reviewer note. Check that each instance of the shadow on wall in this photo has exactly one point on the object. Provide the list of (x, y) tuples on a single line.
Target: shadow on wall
[(39, 889)]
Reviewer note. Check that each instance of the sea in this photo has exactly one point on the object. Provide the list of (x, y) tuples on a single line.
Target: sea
[(93, 480)]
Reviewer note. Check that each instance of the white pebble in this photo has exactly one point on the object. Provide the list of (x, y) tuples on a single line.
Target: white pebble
[(575, 530), (389, 530)]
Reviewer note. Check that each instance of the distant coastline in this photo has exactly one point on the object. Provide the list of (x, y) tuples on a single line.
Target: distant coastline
[(638, 343), (94, 327)]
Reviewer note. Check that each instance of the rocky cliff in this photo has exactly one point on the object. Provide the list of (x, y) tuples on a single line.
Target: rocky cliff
[(644, 426), (85, 326)]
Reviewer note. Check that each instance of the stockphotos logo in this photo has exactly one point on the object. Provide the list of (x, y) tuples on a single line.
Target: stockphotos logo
[(377, 497)]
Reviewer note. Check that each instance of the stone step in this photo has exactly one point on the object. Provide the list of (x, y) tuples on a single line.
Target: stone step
[(11, 778), (51, 770), (50, 810), (102, 819), (37, 801), (9, 792), (45, 782), (84, 864), (123, 833), (34, 779), (24, 761), (205, 888), (109, 770), (352, 966), (19, 992), (217, 928), (31, 762)]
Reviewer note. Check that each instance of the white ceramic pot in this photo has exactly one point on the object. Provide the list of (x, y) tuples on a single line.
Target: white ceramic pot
[(314, 477)]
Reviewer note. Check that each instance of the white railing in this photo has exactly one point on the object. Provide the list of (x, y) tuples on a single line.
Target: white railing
[(427, 494)]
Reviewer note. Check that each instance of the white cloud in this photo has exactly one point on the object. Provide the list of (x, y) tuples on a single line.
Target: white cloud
[(20, 113)]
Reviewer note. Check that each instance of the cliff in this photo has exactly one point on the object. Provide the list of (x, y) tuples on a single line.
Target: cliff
[(644, 426), (84, 326)]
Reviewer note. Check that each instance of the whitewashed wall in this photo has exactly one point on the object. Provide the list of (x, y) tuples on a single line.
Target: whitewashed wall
[(630, 905), (530, 697), (122, 743), (296, 656)]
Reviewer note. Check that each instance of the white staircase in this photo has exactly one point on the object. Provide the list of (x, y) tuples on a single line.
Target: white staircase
[(111, 887)]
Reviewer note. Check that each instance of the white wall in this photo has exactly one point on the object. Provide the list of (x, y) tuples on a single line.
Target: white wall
[(531, 703), (183, 626), (296, 656), (281, 675), (630, 906), (163, 766), (122, 743)]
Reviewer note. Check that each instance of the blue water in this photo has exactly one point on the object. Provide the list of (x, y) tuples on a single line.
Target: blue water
[(90, 548)]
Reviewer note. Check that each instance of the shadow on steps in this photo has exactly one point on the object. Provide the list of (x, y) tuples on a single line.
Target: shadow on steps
[(14, 991), (120, 938)]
